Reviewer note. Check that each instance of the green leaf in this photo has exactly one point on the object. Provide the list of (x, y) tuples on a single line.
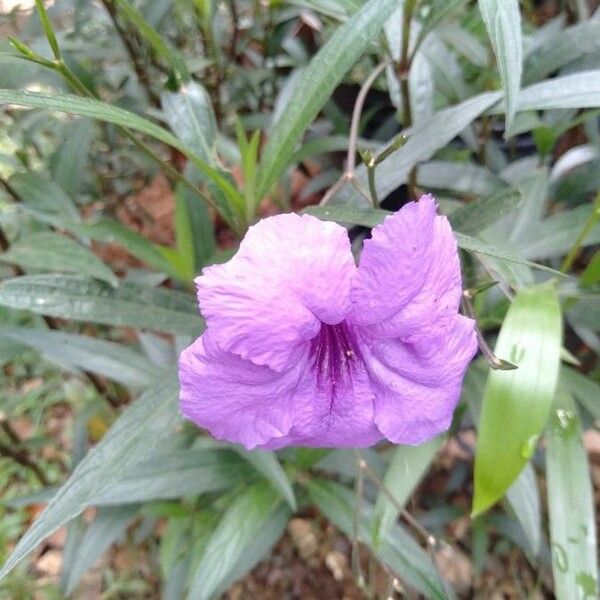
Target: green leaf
[(106, 529), (474, 217), (110, 231), (190, 116), (260, 546), (562, 48), (70, 161), (42, 194), (89, 107), (48, 29), (585, 390), (556, 234), (579, 90), (240, 524), (81, 299), (406, 468), (169, 474), (143, 426), (95, 109), (503, 23), (268, 466), (115, 361), (524, 499), (516, 403), (459, 177), (422, 144), (571, 505), (397, 550), (47, 251), (319, 79), (159, 45)]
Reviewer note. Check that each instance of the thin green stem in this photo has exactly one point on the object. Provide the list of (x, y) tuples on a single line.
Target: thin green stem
[(403, 70), (371, 165), (590, 223)]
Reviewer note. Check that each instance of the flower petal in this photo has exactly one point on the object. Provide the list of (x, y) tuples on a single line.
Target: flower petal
[(418, 379), (233, 398), (409, 272), (290, 274), (336, 413)]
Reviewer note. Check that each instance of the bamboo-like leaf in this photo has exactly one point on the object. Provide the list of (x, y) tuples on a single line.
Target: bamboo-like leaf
[(571, 505), (47, 251), (562, 48), (95, 109), (320, 78), (268, 466), (143, 426), (108, 526), (159, 45), (517, 403), (502, 19), (112, 360), (71, 297), (406, 468), (110, 231), (241, 523)]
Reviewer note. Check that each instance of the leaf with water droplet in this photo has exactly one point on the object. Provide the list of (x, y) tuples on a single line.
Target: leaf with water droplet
[(528, 448), (517, 403), (570, 503)]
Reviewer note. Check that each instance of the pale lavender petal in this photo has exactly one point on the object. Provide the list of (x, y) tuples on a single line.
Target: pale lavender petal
[(409, 272), (233, 398), (417, 380), (290, 274)]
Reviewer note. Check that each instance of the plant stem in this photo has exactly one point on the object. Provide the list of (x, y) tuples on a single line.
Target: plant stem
[(20, 456), (590, 223), (127, 41), (402, 71), (357, 112), (348, 175)]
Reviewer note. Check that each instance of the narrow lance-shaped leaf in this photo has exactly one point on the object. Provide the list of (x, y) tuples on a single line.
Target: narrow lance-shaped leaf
[(159, 45), (406, 468), (132, 305), (516, 403), (241, 523), (268, 466), (109, 359), (571, 505), (108, 526), (89, 107), (143, 426), (502, 19), (320, 78), (47, 251)]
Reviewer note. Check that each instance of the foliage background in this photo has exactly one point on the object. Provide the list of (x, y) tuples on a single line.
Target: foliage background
[(140, 139)]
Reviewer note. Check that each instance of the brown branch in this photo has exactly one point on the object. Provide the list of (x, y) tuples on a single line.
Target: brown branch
[(126, 37), (20, 456)]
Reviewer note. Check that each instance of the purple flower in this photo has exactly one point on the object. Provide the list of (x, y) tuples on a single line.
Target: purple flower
[(302, 347)]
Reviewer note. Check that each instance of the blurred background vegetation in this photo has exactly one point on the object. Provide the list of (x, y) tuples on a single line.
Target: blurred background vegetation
[(140, 139)]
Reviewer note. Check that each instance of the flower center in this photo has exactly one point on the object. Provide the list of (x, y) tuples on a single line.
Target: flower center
[(334, 351)]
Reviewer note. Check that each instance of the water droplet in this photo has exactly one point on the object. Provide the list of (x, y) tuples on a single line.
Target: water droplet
[(528, 448), (560, 557), (566, 421), (517, 352), (40, 301)]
